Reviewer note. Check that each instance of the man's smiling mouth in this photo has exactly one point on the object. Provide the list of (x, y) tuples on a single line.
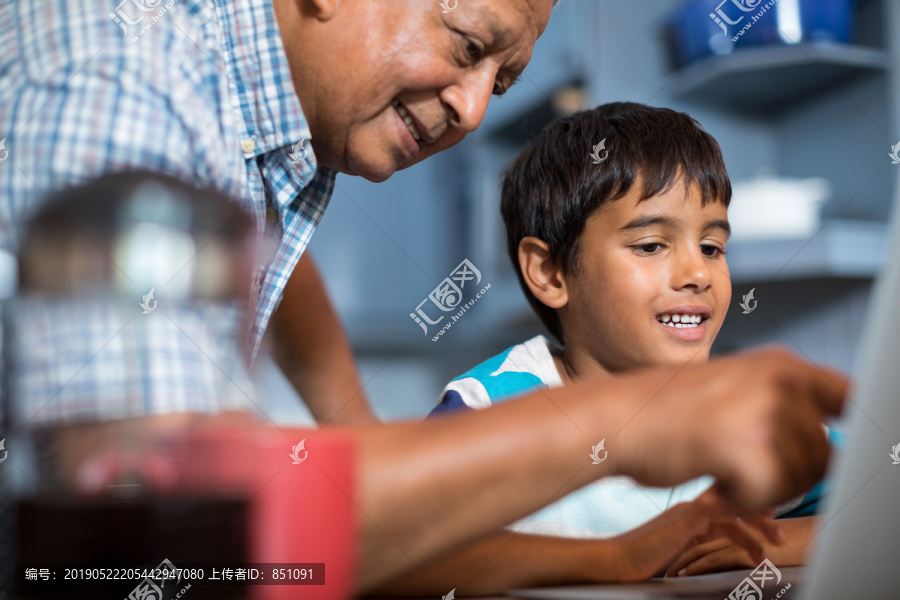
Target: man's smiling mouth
[(404, 114)]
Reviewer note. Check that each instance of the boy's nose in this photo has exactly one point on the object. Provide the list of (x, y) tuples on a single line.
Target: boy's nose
[(693, 270)]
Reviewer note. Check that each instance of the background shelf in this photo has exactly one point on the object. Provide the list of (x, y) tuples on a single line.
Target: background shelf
[(768, 80), (854, 249)]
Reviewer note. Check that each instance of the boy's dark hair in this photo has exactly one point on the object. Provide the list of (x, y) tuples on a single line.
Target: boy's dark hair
[(553, 186)]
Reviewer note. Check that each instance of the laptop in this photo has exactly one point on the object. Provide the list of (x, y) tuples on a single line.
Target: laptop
[(857, 551)]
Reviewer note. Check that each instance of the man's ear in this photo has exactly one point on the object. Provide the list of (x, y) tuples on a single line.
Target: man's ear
[(323, 10), (544, 278)]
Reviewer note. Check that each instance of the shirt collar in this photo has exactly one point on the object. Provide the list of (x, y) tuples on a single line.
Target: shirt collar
[(270, 111)]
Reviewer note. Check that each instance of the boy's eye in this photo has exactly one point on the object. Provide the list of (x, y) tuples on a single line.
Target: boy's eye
[(713, 251), (649, 248)]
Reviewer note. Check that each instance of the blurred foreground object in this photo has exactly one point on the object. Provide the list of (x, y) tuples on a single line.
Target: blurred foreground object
[(125, 356), (132, 303)]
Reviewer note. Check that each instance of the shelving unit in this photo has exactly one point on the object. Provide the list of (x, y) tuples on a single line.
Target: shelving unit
[(768, 80), (842, 249)]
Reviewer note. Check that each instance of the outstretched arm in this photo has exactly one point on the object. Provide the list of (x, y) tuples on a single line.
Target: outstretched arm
[(752, 421)]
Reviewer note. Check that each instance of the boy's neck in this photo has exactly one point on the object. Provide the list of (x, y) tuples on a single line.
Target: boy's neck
[(572, 366)]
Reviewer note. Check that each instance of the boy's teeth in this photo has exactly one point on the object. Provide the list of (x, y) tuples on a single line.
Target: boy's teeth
[(680, 321)]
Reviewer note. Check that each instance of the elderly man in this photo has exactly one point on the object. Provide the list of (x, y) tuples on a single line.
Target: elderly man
[(268, 100)]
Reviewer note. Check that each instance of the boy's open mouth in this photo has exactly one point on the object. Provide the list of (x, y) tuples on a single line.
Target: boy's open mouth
[(682, 320)]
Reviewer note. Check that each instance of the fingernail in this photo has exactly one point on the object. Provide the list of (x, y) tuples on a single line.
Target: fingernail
[(682, 572)]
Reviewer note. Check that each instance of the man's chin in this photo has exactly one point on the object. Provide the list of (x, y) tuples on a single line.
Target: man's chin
[(379, 166), (377, 177), (374, 170)]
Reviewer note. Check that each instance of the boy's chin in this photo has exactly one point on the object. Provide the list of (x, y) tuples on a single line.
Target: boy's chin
[(678, 357), (692, 356)]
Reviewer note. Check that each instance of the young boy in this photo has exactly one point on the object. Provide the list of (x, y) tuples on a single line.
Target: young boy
[(621, 253)]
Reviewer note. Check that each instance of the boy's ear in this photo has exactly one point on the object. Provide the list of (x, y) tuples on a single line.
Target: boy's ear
[(544, 278)]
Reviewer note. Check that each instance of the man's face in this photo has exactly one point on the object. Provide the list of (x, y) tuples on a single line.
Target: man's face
[(641, 266), (399, 81)]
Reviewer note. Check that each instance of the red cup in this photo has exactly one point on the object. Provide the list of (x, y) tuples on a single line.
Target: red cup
[(300, 485)]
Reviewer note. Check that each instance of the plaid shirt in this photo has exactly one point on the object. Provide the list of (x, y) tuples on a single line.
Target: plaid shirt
[(200, 89)]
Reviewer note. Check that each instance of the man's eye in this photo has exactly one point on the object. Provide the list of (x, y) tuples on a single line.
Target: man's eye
[(473, 50)]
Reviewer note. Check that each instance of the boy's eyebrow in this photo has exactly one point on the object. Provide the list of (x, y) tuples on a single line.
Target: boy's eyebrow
[(719, 224), (645, 221)]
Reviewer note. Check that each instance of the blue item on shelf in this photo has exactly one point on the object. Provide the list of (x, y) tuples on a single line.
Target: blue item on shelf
[(701, 28)]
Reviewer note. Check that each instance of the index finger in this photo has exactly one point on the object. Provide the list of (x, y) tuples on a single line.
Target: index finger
[(828, 388)]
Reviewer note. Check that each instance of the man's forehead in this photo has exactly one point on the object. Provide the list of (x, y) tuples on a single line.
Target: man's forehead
[(516, 24), (534, 14)]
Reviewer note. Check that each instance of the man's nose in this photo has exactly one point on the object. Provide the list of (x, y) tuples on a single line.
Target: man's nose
[(467, 100)]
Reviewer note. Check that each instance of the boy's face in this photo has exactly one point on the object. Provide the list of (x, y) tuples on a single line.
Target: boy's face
[(640, 266)]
